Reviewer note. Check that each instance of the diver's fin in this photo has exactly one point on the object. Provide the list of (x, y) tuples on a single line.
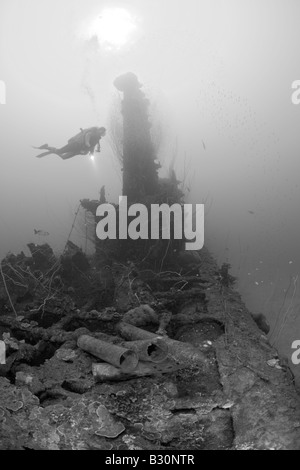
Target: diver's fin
[(43, 154), (67, 155), (42, 147)]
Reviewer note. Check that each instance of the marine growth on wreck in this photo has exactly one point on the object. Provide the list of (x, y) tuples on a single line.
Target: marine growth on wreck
[(133, 337)]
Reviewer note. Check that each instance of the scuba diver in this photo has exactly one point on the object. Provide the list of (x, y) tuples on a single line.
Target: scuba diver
[(84, 143)]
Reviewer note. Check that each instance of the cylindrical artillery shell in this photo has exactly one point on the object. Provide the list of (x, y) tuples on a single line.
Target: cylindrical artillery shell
[(132, 333), (107, 372), (125, 359), (184, 353), (149, 350)]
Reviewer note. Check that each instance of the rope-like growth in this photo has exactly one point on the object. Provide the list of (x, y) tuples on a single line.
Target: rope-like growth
[(6, 289), (72, 228)]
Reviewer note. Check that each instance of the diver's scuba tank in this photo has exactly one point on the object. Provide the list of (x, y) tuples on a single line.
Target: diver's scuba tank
[(88, 138)]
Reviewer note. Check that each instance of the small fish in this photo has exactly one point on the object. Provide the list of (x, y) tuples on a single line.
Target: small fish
[(41, 233), (204, 146), (251, 212)]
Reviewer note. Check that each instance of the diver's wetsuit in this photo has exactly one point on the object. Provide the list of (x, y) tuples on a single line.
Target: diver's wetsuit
[(82, 144)]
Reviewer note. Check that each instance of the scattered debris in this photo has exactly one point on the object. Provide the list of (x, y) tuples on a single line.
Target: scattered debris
[(66, 355), (261, 322), (108, 426), (274, 363), (225, 278), (41, 233)]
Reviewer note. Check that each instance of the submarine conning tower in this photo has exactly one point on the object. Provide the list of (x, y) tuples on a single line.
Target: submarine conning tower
[(140, 169)]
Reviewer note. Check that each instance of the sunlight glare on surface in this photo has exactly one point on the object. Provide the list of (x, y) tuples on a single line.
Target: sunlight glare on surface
[(113, 28)]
